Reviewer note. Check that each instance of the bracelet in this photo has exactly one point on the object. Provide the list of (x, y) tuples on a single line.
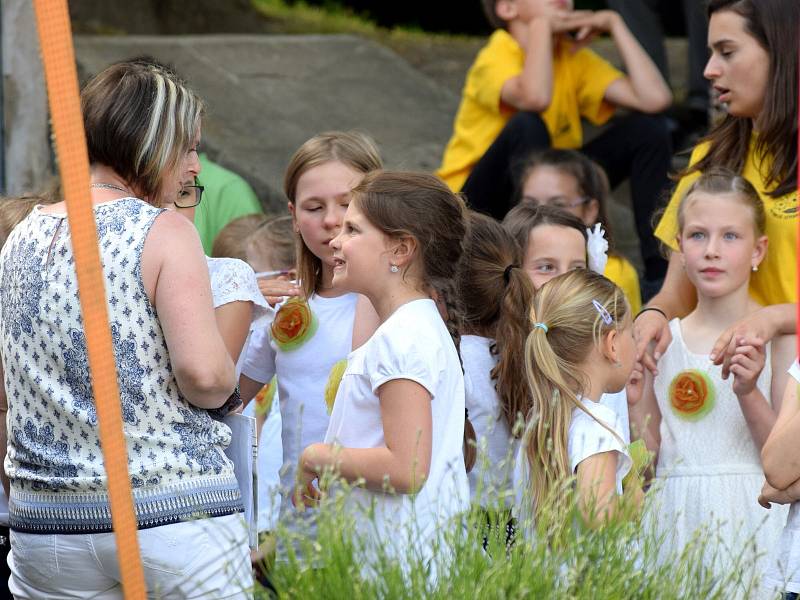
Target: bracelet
[(655, 308)]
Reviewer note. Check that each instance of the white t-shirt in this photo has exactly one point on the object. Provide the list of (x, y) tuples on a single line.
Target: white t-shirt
[(269, 462), (619, 404), (586, 437), (785, 575), (494, 468), (302, 375), (413, 343)]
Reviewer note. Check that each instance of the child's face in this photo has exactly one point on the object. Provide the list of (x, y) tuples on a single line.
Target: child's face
[(546, 185), (624, 346), (359, 254), (553, 250), (527, 10), (323, 193), (719, 244)]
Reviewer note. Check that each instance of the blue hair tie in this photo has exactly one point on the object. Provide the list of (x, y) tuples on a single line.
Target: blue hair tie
[(541, 326)]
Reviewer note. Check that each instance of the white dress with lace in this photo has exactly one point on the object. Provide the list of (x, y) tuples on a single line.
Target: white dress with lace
[(709, 469)]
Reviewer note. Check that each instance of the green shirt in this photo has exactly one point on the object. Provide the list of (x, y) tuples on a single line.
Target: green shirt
[(226, 197)]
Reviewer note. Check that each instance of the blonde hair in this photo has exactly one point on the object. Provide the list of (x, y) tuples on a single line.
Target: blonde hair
[(273, 242), (350, 148), (140, 119), (723, 181), (554, 360), (231, 241)]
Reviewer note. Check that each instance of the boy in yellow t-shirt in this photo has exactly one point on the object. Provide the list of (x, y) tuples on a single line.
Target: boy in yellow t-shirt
[(528, 89)]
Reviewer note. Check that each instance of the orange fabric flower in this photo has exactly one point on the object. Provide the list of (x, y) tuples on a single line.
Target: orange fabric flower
[(691, 394), (294, 325)]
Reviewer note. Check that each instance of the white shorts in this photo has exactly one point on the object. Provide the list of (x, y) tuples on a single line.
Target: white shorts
[(205, 558)]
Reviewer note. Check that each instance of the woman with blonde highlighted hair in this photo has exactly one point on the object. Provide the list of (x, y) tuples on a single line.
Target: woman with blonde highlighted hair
[(142, 130)]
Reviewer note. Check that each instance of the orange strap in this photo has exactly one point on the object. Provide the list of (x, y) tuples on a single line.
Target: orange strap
[(58, 56)]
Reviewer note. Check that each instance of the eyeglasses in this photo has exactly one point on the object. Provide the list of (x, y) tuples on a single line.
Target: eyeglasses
[(557, 202), (189, 196)]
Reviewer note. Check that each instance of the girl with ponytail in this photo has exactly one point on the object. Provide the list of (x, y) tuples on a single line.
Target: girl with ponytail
[(581, 346), (496, 295)]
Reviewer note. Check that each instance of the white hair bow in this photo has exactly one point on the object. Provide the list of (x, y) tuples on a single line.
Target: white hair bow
[(597, 248)]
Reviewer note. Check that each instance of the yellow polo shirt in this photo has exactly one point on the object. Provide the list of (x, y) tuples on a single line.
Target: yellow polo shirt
[(580, 80), (621, 271), (775, 282)]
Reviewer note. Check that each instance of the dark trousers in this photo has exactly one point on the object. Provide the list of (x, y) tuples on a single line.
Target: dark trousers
[(5, 571), (643, 19), (635, 146)]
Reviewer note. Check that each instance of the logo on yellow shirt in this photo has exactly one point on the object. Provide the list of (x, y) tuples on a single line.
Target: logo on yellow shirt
[(784, 208)]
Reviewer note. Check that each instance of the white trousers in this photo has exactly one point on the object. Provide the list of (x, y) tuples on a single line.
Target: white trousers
[(205, 558)]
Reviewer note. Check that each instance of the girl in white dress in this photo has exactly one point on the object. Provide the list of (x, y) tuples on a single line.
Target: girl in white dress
[(397, 428), (580, 348), (707, 432)]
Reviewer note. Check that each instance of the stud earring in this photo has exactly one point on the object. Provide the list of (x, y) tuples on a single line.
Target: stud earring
[(755, 268), (394, 268)]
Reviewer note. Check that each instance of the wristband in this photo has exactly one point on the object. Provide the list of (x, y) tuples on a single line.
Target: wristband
[(655, 308)]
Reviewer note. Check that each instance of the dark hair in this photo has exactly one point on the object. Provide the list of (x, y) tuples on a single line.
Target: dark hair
[(591, 179), (773, 24), (490, 12), (521, 219), (421, 206), (350, 148), (719, 180), (496, 296), (140, 119)]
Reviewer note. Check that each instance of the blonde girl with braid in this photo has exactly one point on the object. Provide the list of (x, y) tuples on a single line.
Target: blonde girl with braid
[(581, 347), (397, 428)]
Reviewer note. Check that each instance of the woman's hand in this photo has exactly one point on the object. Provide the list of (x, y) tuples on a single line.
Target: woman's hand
[(746, 364), (651, 327), (763, 324)]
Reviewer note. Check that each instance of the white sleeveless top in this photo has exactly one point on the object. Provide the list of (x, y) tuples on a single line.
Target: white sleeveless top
[(175, 451)]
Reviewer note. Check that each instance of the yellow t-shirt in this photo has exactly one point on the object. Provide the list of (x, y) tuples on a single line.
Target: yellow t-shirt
[(621, 271), (775, 282), (580, 80)]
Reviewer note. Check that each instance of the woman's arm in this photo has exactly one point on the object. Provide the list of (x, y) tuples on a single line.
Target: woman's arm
[(175, 276), (404, 462), (677, 298), (643, 89)]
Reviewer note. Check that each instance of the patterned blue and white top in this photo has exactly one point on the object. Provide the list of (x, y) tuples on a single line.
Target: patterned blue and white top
[(175, 451)]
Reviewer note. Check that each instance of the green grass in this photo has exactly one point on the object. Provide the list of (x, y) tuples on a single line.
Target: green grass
[(618, 562)]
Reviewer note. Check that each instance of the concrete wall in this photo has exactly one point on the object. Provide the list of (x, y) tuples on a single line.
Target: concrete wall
[(28, 162)]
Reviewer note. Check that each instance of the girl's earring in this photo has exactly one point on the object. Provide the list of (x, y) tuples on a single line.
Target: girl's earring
[(755, 268), (394, 268)]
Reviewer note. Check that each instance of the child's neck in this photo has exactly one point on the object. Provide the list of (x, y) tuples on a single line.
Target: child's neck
[(392, 297), (519, 31), (712, 316), (326, 289)]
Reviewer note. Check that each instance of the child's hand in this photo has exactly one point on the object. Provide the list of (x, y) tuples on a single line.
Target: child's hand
[(747, 363), (635, 386), (305, 494), (586, 25), (275, 290)]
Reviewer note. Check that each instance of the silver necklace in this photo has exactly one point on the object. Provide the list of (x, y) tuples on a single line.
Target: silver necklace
[(109, 186)]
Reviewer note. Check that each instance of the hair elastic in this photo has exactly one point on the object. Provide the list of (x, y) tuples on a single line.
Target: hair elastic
[(541, 326), (604, 314), (507, 272)]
